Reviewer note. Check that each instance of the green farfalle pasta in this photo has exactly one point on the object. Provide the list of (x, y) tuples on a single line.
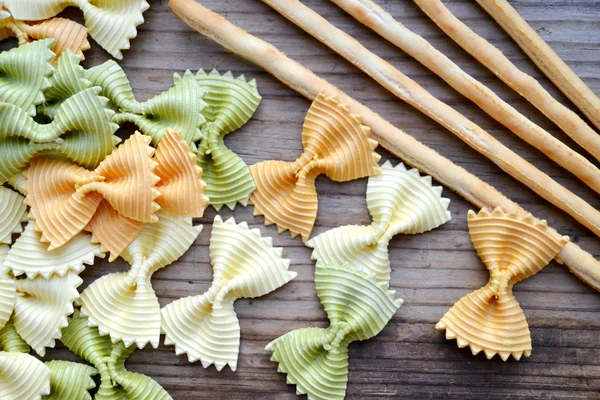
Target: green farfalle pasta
[(24, 73), (179, 108), (67, 80), (231, 103), (116, 382), (316, 359), (80, 131), (70, 380)]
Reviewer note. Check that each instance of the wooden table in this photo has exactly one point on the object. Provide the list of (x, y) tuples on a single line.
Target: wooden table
[(409, 359)]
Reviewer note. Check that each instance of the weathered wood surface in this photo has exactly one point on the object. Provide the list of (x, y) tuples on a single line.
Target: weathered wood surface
[(409, 359)]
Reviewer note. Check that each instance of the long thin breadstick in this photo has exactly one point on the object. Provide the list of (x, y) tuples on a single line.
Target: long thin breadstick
[(544, 57), (376, 18), (396, 141), (410, 91)]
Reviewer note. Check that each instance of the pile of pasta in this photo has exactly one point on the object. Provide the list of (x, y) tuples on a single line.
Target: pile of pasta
[(112, 24), (203, 107), (84, 194)]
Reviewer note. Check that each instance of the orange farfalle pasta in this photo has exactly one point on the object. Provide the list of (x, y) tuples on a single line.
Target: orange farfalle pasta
[(181, 186), (67, 34), (181, 191), (65, 197), (335, 144), (512, 248)]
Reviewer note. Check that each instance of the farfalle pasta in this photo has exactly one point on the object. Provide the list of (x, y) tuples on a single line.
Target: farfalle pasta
[(70, 380), (81, 131), (24, 73), (180, 191), (65, 198), (67, 380), (231, 103), (335, 144), (400, 201), (22, 376), (111, 23), (512, 248), (67, 80), (124, 304), (67, 34), (13, 212), (205, 327), (203, 107), (181, 186), (28, 255), (40, 306), (179, 108), (316, 359), (116, 382)]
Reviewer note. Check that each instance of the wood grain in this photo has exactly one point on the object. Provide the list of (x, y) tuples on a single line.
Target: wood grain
[(409, 360)]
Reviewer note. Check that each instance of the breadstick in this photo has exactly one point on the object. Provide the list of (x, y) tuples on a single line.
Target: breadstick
[(376, 18), (410, 91), (393, 139), (544, 57)]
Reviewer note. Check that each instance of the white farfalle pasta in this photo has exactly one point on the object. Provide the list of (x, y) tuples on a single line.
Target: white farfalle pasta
[(124, 304), (13, 212), (23, 377), (41, 308), (245, 265), (40, 305), (400, 201), (30, 256), (111, 23)]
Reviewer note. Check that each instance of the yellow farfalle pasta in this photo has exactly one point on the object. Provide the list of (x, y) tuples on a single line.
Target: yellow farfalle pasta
[(181, 192), (205, 327), (13, 212), (67, 34), (111, 23), (512, 248), (66, 198), (400, 201), (124, 304), (335, 144), (30, 256)]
